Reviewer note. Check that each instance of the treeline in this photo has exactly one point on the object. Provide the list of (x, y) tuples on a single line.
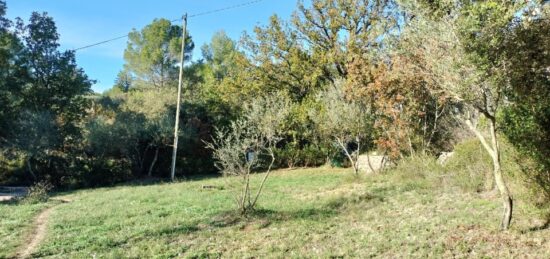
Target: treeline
[(395, 77)]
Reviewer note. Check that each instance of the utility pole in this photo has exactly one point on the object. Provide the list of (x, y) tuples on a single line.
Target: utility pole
[(176, 127)]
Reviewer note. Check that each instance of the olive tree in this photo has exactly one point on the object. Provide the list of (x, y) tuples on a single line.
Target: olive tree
[(347, 121), (461, 52), (249, 144)]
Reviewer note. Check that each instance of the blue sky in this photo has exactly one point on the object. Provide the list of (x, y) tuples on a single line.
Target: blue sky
[(81, 23)]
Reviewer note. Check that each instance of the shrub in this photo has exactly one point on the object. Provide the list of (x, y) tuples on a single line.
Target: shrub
[(470, 167), (38, 193), (417, 172), (292, 155)]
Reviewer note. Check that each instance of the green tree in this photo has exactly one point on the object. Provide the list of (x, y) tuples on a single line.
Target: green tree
[(346, 121), (152, 54), (124, 80), (12, 74), (38, 138), (249, 144), (462, 51), (526, 119), (220, 54), (157, 109), (52, 85), (56, 83)]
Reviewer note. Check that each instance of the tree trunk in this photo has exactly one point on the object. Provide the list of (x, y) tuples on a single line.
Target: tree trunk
[(489, 181), (150, 173), (507, 201), (350, 158), (29, 166), (494, 151), (245, 199), (263, 180), (369, 163)]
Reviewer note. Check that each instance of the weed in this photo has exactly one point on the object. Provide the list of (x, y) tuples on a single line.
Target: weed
[(38, 193)]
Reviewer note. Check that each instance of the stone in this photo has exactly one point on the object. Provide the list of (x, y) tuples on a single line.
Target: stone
[(443, 157), (378, 162)]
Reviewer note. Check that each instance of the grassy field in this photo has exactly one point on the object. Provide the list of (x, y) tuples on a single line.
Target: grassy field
[(15, 221), (303, 213)]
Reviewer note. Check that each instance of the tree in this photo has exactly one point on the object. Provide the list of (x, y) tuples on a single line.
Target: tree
[(220, 54), (526, 118), (156, 106), (12, 74), (303, 55), (461, 51), (348, 122), (152, 53), (335, 29), (56, 83), (38, 137), (51, 87), (124, 80), (242, 147), (235, 151), (410, 113), (482, 32)]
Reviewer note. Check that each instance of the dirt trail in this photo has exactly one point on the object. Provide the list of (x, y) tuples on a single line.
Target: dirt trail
[(38, 233)]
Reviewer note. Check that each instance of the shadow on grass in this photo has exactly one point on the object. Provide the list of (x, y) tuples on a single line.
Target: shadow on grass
[(264, 217), (18, 201), (9, 202), (544, 226), (139, 182), (173, 230)]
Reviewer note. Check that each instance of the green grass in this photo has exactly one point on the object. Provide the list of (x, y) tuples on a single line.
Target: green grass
[(15, 220), (302, 213)]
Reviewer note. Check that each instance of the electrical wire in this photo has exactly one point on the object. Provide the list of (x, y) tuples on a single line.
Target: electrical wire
[(225, 9), (175, 20)]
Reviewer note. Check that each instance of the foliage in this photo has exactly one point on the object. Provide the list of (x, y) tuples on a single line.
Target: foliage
[(38, 193), (463, 51), (346, 121), (136, 128), (152, 53), (526, 119), (241, 148), (46, 102), (293, 155), (220, 54), (410, 111)]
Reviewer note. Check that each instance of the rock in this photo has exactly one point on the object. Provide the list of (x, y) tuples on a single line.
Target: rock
[(378, 162), (443, 157)]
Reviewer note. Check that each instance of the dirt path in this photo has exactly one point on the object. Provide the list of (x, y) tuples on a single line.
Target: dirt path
[(38, 233)]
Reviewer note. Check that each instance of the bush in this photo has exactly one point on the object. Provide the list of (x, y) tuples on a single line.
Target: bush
[(292, 155), (105, 172), (469, 166), (417, 172), (38, 193)]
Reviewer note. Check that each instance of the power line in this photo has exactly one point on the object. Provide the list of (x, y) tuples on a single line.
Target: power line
[(224, 9), (102, 42), (175, 20)]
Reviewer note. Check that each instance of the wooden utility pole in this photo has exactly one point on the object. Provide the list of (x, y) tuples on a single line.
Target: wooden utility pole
[(176, 127)]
